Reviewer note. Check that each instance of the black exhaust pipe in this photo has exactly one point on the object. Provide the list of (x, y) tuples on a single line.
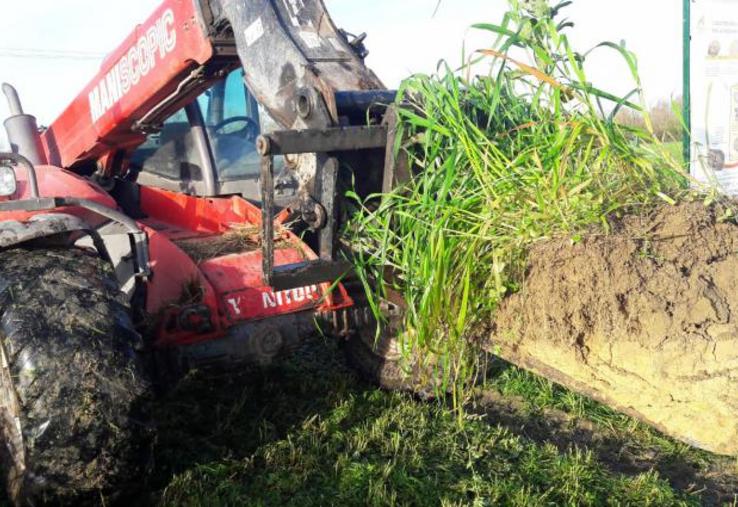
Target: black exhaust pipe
[(22, 129)]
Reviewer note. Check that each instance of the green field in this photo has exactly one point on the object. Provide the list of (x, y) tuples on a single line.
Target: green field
[(308, 432)]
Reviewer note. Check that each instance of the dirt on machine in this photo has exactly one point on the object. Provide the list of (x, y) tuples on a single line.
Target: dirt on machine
[(185, 210)]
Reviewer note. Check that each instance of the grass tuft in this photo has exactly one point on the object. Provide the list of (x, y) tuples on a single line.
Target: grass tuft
[(526, 152)]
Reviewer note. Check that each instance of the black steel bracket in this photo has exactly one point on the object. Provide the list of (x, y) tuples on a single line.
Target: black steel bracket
[(292, 142)]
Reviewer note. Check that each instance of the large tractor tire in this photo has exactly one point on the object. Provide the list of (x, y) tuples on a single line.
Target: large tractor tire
[(74, 398)]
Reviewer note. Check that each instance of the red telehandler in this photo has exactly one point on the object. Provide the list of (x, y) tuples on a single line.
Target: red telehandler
[(191, 190)]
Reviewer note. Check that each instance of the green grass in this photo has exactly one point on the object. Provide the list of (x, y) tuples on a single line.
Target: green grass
[(309, 433), (676, 151), (526, 152)]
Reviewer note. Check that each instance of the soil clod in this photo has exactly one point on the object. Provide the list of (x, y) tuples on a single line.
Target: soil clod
[(643, 319)]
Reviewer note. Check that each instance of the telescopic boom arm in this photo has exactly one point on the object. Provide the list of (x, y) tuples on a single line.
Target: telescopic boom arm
[(298, 66), (293, 56)]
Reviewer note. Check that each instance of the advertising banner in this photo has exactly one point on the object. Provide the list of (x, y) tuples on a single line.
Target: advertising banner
[(713, 85)]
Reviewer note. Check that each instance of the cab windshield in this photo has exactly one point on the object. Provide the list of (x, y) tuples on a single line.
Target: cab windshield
[(232, 120), (232, 123)]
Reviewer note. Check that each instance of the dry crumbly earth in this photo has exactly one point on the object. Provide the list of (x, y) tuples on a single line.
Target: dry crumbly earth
[(644, 319)]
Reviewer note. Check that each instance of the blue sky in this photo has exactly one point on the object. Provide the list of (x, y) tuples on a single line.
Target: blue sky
[(404, 37)]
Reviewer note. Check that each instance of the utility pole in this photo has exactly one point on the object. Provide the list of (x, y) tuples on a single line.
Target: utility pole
[(686, 93)]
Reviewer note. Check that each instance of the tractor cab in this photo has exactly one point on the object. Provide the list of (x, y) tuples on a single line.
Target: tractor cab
[(208, 148)]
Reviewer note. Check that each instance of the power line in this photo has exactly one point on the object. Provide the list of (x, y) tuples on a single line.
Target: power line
[(49, 54)]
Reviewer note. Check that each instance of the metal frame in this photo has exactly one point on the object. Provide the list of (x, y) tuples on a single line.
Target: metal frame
[(208, 186), (294, 142), (203, 147)]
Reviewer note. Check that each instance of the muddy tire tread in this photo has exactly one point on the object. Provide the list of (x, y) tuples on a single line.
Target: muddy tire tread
[(83, 396)]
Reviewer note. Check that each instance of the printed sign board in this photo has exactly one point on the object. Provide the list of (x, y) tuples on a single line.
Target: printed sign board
[(713, 92)]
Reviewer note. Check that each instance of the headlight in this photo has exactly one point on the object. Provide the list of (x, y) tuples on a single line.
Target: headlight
[(7, 181)]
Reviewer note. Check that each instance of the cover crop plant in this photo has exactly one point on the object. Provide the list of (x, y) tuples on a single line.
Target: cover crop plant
[(528, 151)]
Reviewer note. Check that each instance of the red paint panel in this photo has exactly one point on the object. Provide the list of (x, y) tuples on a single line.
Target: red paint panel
[(233, 284), (55, 182), (253, 304), (146, 68), (234, 272), (173, 271), (199, 214), (239, 281)]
